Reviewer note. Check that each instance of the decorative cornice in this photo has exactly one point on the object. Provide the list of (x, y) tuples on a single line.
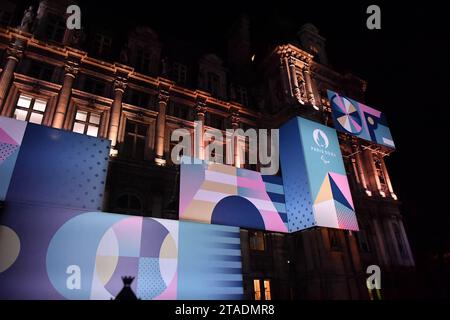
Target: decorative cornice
[(290, 50)]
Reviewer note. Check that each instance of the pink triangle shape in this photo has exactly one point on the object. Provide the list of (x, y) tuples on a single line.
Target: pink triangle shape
[(5, 138)]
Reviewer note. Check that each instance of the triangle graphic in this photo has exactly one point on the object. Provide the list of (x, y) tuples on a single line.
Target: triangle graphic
[(6, 138), (324, 191), (338, 196)]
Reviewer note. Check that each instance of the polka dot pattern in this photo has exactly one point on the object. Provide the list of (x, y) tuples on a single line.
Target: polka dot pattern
[(150, 283), (6, 150), (60, 168)]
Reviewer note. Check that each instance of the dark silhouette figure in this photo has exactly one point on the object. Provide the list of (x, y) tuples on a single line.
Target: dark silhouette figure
[(126, 293)]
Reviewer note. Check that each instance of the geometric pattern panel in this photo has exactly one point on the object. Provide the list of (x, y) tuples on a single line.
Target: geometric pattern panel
[(59, 253), (310, 154), (11, 135), (355, 118), (220, 194)]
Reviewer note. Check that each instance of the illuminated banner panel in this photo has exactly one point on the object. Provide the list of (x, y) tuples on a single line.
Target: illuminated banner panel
[(54, 244), (225, 195), (11, 135), (53, 167), (315, 182), (355, 118), (55, 253)]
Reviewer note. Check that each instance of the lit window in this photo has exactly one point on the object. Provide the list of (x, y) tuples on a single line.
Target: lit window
[(257, 289), (257, 240), (179, 73), (86, 123), (258, 286), (30, 109)]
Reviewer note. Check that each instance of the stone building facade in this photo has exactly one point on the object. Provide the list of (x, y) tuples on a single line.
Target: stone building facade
[(137, 92)]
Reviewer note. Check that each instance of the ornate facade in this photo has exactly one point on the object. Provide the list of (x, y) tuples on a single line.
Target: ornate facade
[(72, 81)]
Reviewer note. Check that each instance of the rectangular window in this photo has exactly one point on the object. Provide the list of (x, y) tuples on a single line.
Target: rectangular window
[(102, 44), (335, 243), (363, 241), (5, 17), (94, 86), (241, 95), (135, 137), (30, 109), (179, 73), (143, 58), (56, 27), (213, 85), (86, 123), (261, 289), (42, 71), (257, 240)]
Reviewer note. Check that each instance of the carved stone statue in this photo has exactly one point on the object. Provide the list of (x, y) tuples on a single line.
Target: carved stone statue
[(27, 20)]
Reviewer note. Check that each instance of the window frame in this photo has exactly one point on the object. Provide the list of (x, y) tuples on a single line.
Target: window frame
[(30, 110), (87, 123)]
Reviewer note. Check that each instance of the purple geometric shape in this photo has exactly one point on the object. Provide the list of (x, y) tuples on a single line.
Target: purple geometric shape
[(153, 235)]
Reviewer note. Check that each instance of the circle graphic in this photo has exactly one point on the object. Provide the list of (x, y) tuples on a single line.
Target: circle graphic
[(347, 114), (9, 247), (113, 246)]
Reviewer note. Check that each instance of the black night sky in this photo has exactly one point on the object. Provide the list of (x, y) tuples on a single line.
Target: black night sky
[(406, 64)]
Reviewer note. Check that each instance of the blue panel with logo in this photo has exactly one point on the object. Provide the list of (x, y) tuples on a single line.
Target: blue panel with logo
[(315, 182)]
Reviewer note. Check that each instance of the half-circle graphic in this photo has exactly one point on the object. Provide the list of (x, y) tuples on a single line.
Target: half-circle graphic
[(237, 211)]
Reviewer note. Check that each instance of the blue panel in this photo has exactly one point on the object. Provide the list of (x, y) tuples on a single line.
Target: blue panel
[(296, 187), (60, 168), (207, 256)]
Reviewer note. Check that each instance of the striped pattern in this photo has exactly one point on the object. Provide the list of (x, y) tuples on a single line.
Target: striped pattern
[(221, 181), (209, 262)]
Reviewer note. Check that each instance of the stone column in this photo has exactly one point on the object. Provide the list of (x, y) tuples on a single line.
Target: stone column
[(359, 167), (309, 88), (200, 109), (293, 79), (235, 119), (388, 179), (163, 99), (70, 72), (13, 55), (120, 84), (284, 76), (373, 179)]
